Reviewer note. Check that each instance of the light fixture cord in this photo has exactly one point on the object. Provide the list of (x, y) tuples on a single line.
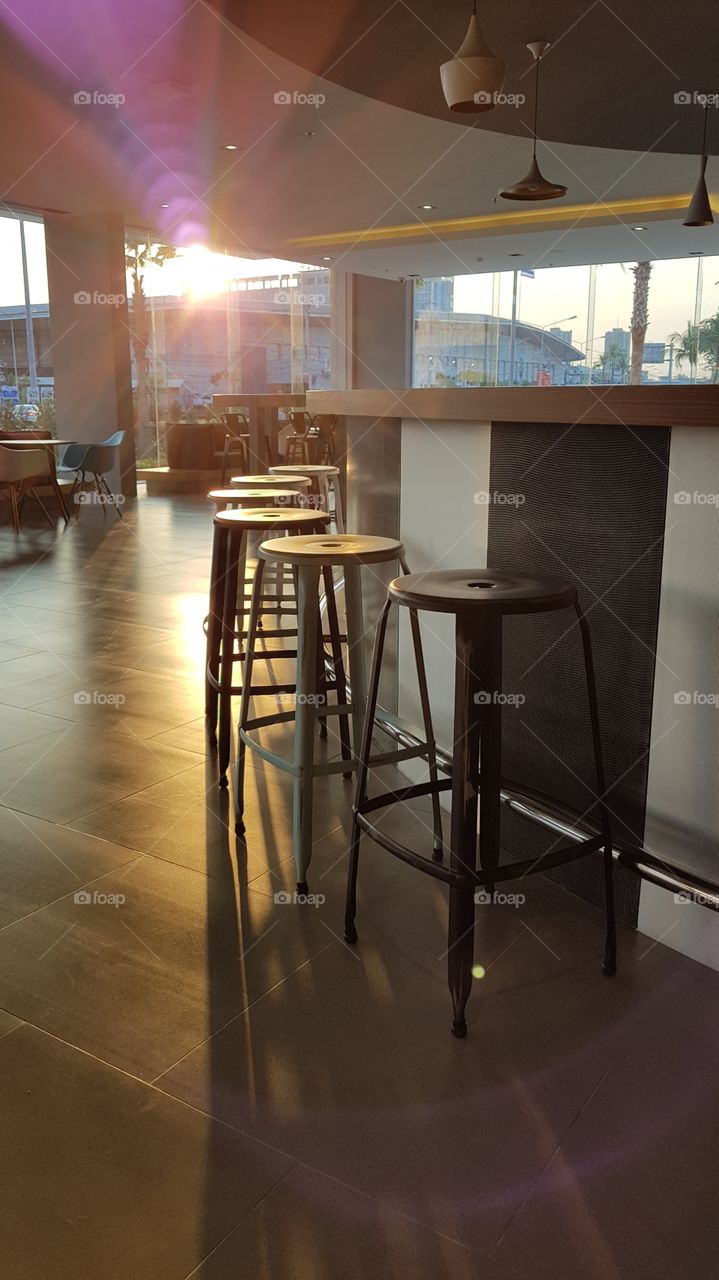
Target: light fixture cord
[(536, 108), (706, 125)]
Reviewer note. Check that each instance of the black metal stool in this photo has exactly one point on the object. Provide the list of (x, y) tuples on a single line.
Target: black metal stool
[(479, 601), (225, 624)]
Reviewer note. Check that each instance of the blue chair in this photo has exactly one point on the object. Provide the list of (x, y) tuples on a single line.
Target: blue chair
[(95, 460)]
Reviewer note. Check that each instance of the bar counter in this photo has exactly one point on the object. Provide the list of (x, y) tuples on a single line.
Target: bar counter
[(616, 488)]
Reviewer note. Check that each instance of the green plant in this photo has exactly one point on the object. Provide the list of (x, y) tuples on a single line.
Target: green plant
[(139, 255)]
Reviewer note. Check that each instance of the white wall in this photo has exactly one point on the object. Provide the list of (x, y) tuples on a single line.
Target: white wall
[(444, 465), (683, 795)]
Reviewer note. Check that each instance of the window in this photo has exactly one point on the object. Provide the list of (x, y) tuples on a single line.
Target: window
[(26, 370), (567, 326), (203, 322)]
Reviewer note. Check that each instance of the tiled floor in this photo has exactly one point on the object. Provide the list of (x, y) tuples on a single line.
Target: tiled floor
[(200, 1081)]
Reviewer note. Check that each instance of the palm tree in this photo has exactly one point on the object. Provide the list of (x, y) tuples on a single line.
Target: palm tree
[(613, 362), (686, 346), (699, 344), (640, 318), (139, 255), (709, 343)]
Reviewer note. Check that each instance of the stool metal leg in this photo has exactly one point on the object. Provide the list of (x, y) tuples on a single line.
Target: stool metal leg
[(609, 964), (437, 842), (214, 628), (339, 514), (303, 786), (356, 645), (234, 566), (250, 642), (365, 752), (337, 661), (488, 666), (471, 678)]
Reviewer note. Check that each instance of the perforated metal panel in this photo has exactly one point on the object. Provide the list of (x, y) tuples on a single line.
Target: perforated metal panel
[(587, 503)]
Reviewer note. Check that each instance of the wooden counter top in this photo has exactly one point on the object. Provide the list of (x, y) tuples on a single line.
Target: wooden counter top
[(645, 406)]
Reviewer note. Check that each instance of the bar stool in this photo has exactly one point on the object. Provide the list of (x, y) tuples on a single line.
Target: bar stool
[(226, 499), (313, 557), (231, 530), (300, 483), (230, 499), (324, 478), (479, 600)]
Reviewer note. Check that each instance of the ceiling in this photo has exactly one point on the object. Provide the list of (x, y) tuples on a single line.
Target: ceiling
[(610, 75), (343, 178)]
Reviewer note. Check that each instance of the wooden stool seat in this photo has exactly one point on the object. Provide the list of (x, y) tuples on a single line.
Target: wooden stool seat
[(454, 590), (323, 478), (333, 549)]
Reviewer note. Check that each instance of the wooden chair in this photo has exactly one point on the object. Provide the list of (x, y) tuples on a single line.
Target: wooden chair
[(20, 471)]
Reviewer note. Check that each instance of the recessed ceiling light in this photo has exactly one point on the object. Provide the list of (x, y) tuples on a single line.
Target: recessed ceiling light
[(326, 258), (428, 206), (516, 255), (696, 253), (164, 206), (310, 133), (230, 146), (638, 228)]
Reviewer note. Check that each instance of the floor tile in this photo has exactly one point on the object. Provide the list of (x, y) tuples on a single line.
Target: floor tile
[(41, 861), (18, 725), (350, 1067), (629, 1192), (310, 1228), (143, 980), (80, 768), (121, 1181)]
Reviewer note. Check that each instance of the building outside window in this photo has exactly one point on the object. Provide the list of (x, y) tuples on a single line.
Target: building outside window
[(567, 326), (26, 370)]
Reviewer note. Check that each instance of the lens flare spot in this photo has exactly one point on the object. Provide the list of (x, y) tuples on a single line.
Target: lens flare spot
[(478, 971)]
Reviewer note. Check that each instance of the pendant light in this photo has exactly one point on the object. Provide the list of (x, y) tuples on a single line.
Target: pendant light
[(473, 76), (699, 213), (535, 186)]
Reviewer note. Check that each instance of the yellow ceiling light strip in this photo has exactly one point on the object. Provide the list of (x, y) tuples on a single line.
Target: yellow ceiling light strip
[(501, 221)]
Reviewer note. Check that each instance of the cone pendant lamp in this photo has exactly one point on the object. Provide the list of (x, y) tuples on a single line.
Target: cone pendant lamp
[(699, 213), (535, 186), (473, 76)]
